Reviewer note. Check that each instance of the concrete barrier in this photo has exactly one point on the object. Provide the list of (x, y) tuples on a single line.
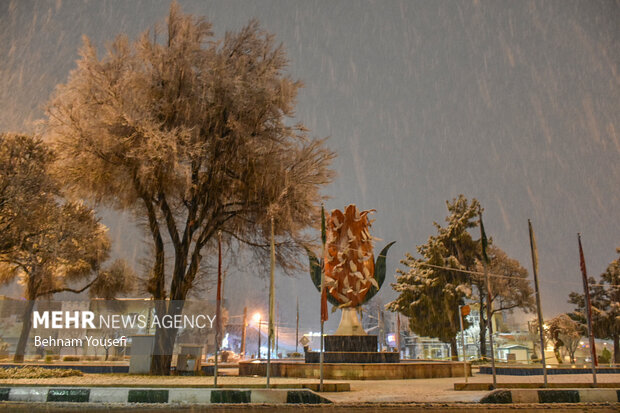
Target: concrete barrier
[(160, 395), (553, 396)]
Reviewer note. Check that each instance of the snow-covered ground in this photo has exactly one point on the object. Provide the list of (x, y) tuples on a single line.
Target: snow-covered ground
[(416, 390)]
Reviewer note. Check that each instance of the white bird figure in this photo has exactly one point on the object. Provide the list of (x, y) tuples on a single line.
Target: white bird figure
[(350, 233)]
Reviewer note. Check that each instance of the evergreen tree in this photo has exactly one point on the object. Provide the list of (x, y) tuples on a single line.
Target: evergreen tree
[(430, 296)]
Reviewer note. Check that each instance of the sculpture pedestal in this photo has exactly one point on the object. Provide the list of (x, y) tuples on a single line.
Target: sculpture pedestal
[(350, 324), (355, 357), (350, 343)]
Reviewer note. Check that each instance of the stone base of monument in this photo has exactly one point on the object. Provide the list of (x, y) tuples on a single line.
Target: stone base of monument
[(350, 343), (353, 357), (352, 349), (421, 369)]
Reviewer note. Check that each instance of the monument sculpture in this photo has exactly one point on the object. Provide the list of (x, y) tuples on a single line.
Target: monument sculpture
[(352, 277)]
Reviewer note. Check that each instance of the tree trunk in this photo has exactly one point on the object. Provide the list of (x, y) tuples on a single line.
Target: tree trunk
[(617, 348), (454, 350), (164, 341), (23, 337)]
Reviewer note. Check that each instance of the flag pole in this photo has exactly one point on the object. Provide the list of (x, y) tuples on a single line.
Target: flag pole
[(244, 332), (398, 333), (271, 300), (218, 311), (485, 259), (323, 292), (463, 342), (297, 329), (534, 250), (586, 290)]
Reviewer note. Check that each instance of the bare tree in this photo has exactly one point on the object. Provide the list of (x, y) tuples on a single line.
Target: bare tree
[(195, 136), (510, 288)]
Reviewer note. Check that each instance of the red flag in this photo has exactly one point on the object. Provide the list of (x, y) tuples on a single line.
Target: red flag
[(324, 312)]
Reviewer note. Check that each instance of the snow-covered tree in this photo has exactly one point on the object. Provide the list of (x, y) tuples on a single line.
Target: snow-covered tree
[(24, 186), (195, 136), (510, 288), (566, 333), (55, 244), (605, 299), (430, 296)]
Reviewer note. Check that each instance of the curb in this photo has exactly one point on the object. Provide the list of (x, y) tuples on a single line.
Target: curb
[(489, 386), (538, 371), (146, 395), (553, 396), (327, 387)]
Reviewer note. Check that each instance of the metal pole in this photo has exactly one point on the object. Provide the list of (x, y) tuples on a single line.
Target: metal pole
[(321, 360), (463, 343), (323, 241), (218, 311), (586, 290), (272, 293), (259, 323), (243, 331), (268, 359), (297, 329), (490, 322), (534, 251), (398, 333), (489, 301)]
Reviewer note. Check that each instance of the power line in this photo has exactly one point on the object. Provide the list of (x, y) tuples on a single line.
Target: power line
[(508, 276)]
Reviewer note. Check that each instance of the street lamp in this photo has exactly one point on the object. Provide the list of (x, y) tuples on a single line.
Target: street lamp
[(257, 319)]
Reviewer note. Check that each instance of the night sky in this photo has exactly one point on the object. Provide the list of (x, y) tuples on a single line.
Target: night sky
[(515, 103)]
